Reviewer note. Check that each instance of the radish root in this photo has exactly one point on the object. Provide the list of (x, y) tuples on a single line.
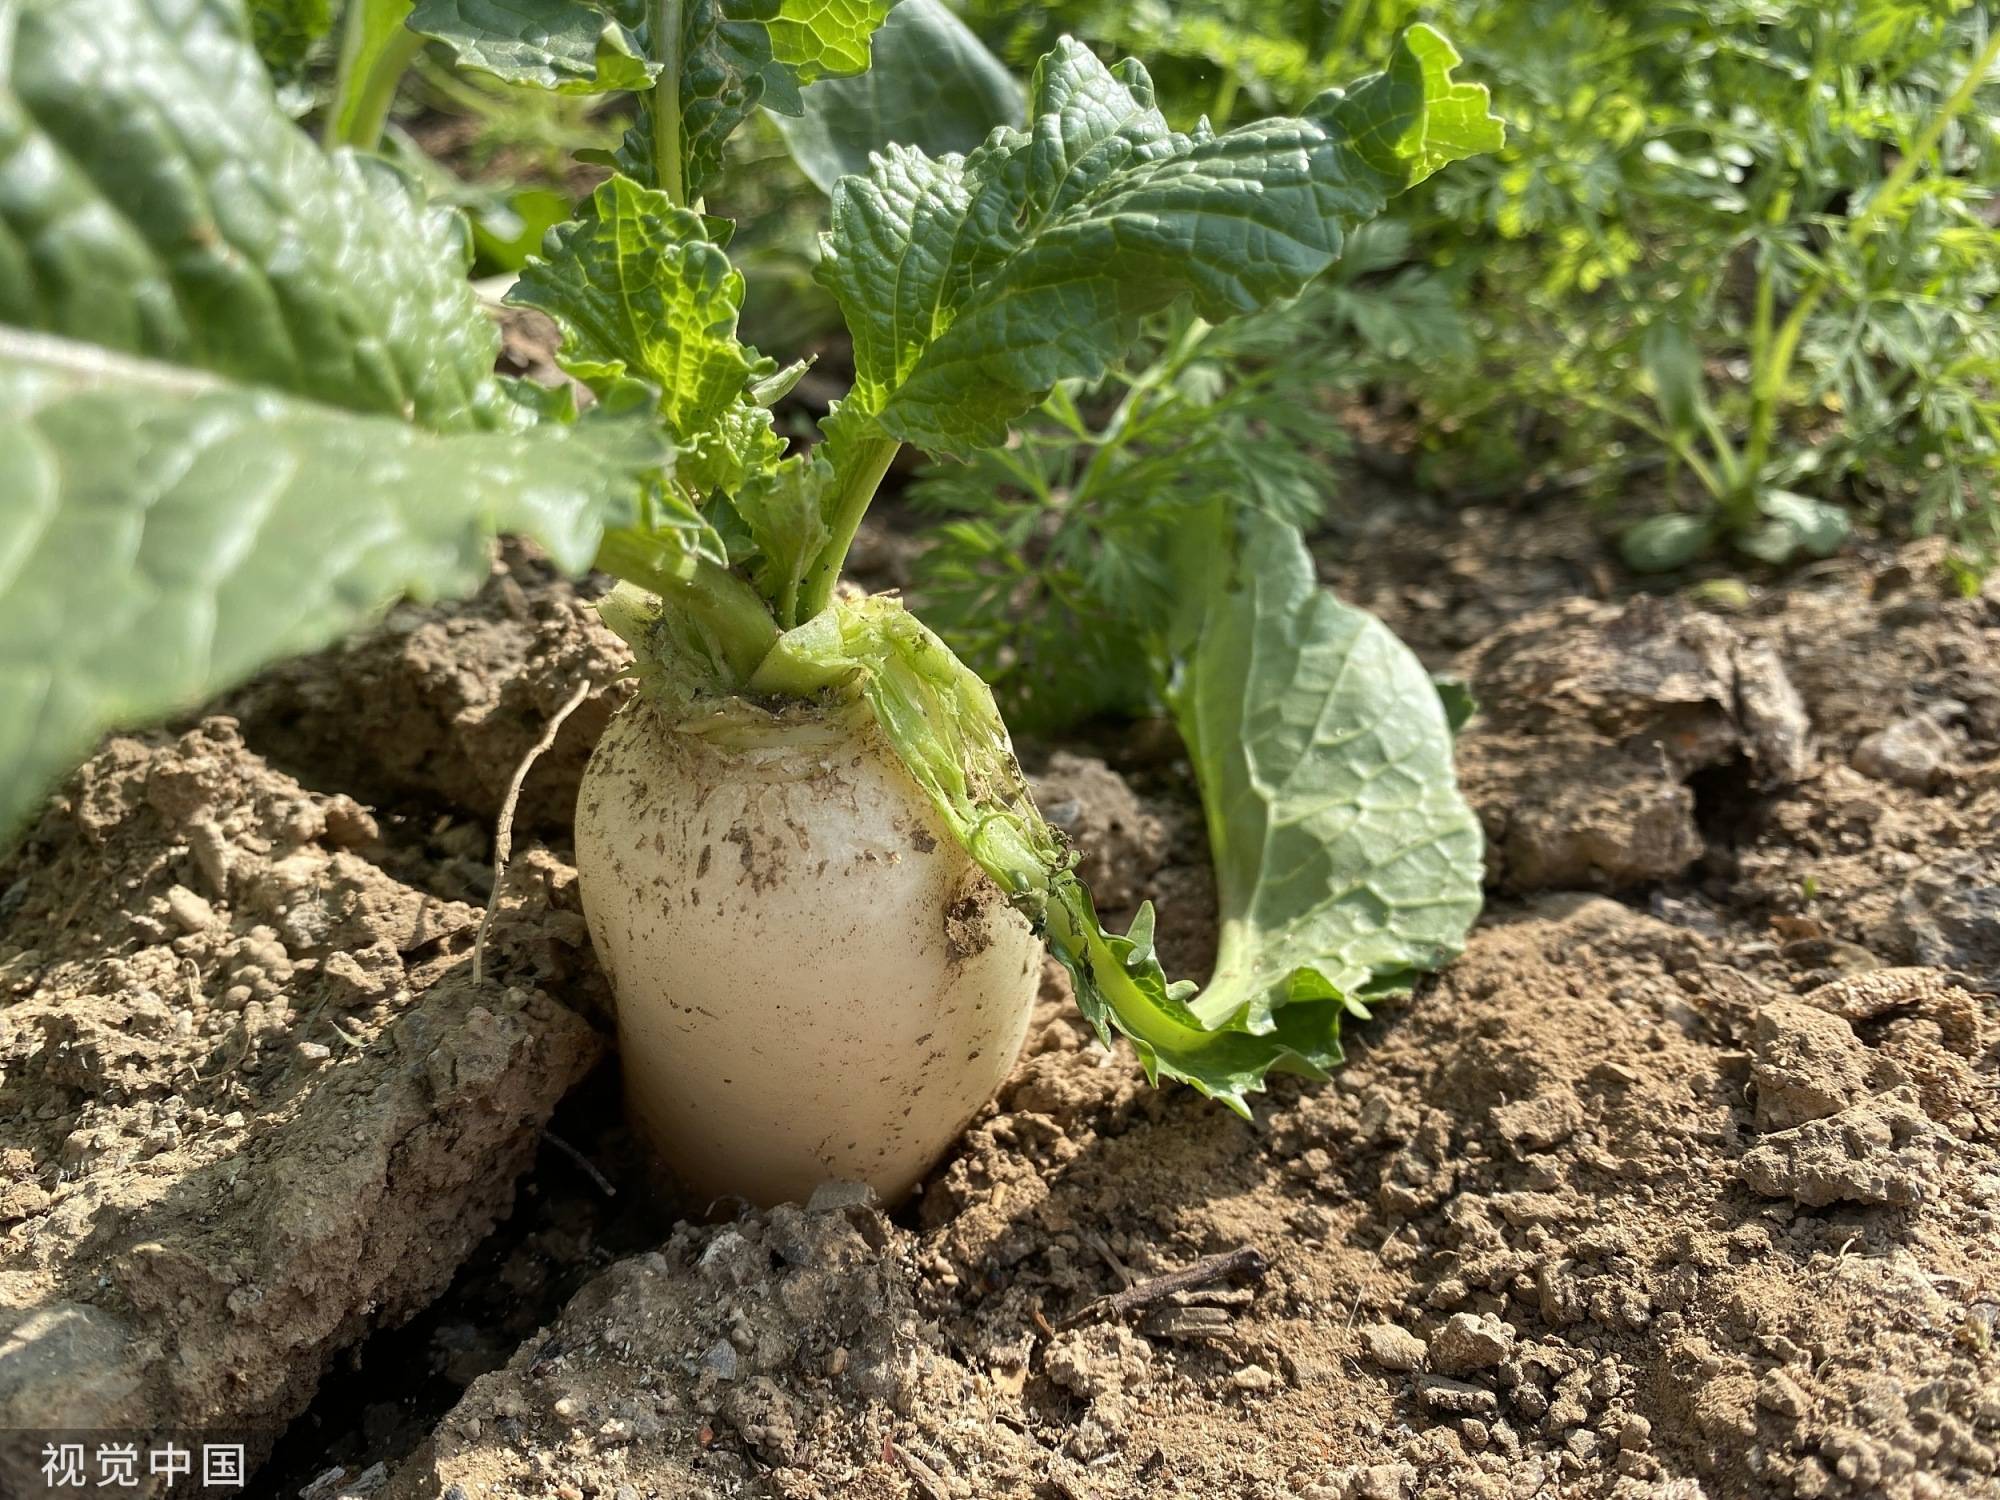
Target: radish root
[(503, 833)]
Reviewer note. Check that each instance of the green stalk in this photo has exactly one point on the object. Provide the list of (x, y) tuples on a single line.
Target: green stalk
[(1353, 16), (666, 102), (728, 608), (1769, 381), (1119, 429), (858, 480), (376, 48)]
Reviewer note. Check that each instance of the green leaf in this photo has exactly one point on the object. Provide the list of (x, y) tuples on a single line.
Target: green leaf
[(167, 532), (286, 31), (1793, 524), (641, 293), (1346, 861), (1412, 118), (971, 286), (507, 230), (781, 507), (567, 45), (155, 200), (1459, 701), (739, 54), (1663, 543), (932, 85), (1673, 365)]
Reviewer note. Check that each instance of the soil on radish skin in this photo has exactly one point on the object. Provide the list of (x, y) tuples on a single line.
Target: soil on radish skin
[(1683, 1181)]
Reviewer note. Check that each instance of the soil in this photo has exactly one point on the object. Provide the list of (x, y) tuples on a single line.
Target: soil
[(1684, 1181)]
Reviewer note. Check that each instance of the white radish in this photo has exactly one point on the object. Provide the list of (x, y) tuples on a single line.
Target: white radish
[(814, 981)]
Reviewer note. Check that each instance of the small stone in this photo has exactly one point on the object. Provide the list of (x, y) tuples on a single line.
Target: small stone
[(1254, 1379), (720, 1360), (732, 1260), (1535, 1124), (1635, 1434), (832, 1197), (1475, 1433), (1778, 1392), (566, 1407), (1470, 1342), (1457, 1398), (1393, 1347), (349, 825), (1911, 752), (1385, 1482), (190, 912), (315, 1051)]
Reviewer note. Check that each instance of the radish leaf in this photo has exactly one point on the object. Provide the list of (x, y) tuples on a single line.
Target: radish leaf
[(932, 84), (154, 199), (740, 54), (640, 292), (166, 533), (973, 284), (1345, 859), (569, 46), (246, 395)]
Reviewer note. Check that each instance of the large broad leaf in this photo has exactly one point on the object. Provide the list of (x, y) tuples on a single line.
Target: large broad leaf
[(246, 398), (570, 46), (164, 534), (154, 199), (932, 85), (1346, 861), (972, 285)]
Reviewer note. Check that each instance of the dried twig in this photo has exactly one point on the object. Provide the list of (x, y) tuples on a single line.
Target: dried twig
[(589, 1167), (503, 835), (1246, 1261), (1119, 1269), (922, 1475)]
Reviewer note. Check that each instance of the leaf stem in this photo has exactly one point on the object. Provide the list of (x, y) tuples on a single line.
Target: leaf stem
[(376, 49), (666, 102), (732, 612), (1119, 429), (858, 479)]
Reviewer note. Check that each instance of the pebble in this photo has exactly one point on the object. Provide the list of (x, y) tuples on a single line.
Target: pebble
[(190, 912), (1393, 1347), (1910, 752), (1470, 1341), (721, 1360), (1253, 1378)]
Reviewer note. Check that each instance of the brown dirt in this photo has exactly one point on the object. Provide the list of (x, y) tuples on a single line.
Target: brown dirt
[(254, 1105), (1682, 1182)]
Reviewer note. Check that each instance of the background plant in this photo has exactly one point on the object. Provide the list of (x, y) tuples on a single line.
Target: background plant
[(1747, 243)]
